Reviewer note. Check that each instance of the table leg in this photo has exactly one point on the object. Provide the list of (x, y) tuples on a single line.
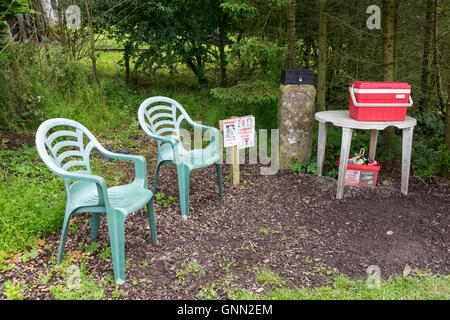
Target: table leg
[(406, 157), (321, 143), (345, 151), (373, 143)]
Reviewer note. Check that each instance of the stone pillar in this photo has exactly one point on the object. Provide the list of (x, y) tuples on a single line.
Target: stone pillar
[(295, 122)]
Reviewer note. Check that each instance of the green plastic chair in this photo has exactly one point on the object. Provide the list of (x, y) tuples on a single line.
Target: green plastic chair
[(65, 145), (160, 118)]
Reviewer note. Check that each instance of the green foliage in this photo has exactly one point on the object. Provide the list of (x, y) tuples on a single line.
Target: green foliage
[(258, 58), (26, 216), (239, 10), (429, 152), (105, 254), (307, 166), (13, 291), (78, 284), (191, 269), (269, 277), (421, 286), (256, 92), (176, 31), (9, 9), (88, 290)]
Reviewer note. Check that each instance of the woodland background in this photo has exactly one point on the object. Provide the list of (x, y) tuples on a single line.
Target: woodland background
[(226, 53)]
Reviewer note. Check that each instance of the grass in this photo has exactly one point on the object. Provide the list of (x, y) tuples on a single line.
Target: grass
[(269, 277), (191, 268), (32, 199), (420, 286)]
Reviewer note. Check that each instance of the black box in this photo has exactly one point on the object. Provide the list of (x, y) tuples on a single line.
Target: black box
[(297, 76)]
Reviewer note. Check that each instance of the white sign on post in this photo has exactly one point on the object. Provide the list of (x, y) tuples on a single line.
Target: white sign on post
[(246, 132), (239, 132)]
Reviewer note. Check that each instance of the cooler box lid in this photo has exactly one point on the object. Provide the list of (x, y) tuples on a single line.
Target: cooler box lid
[(380, 85)]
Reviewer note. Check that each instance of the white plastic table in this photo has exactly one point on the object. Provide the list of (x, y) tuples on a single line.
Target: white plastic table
[(342, 119)]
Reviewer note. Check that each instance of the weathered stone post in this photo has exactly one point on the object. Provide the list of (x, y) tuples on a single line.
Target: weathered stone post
[(295, 122)]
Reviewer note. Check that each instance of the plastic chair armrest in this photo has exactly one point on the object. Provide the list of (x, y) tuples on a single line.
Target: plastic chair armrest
[(98, 180), (140, 165), (170, 140)]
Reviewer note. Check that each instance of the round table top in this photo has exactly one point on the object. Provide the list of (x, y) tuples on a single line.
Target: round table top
[(341, 118)]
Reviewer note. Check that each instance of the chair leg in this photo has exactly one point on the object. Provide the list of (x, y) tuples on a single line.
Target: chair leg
[(62, 241), (183, 187), (219, 179), (95, 224), (155, 179), (151, 219), (116, 220)]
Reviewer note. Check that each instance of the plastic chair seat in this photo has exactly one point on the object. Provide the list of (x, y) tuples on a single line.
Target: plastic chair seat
[(195, 159), (127, 198)]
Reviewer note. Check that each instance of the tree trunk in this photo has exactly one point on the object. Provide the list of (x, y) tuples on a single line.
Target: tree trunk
[(427, 59), (309, 46), (92, 53), (388, 26), (445, 168), (292, 39), (126, 58), (196, 65), (438, 66), (322, 63), (222, 55)]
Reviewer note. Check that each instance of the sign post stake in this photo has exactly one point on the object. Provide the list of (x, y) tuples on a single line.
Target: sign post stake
[(235, 166), (239, 133)]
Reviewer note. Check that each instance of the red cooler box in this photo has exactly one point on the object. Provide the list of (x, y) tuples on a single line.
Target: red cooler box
[(379, 101)]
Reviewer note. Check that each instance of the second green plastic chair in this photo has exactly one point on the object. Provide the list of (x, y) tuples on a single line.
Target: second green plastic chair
[(161, 118)]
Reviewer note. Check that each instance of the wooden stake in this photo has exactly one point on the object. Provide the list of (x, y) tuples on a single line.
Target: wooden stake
[(235, 174)]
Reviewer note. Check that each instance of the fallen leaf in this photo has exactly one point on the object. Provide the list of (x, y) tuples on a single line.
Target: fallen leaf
[(390, 233)]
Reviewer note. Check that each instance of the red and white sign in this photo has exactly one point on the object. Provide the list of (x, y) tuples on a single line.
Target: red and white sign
[(352, 177), (238, 132)]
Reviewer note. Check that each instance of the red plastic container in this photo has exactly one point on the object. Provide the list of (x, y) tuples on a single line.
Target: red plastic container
[(361, 175), (379, 101)]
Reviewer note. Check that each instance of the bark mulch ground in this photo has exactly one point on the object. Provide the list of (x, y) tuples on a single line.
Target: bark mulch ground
[(287, 223)]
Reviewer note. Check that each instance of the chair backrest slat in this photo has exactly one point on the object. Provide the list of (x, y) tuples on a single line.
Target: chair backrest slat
[(68, 143), (70, 153), (74, 163), (163, 123), (59, 150), (160, 115), (153, 119), (61, 133), (160, 108)]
